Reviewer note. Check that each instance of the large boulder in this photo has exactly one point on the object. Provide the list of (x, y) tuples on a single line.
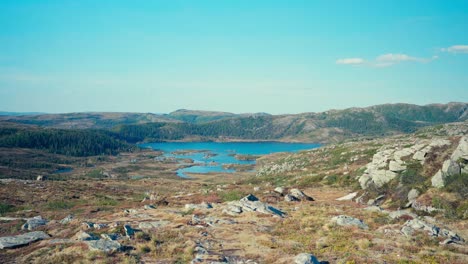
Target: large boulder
[(461, 152), (449, 168), (22, 240)]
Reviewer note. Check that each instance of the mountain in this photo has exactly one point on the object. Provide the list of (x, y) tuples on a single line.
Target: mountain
[(324, 127), (198, 117)]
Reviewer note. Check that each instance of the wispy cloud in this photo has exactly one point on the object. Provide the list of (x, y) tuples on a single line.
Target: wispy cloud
[(384, 60), (456, 49), (351, 61)]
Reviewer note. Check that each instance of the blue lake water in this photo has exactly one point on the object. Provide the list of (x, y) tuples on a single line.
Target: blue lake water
[(218, 153)]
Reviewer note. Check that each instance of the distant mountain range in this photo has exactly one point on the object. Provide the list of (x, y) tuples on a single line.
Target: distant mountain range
[(329, 126)]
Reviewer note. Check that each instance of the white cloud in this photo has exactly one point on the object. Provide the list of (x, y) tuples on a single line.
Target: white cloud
[(395, 58), (385, 60), (456, 49), (350, 61)]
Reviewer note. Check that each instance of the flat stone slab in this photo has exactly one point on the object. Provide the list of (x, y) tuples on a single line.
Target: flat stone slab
[(348, 197), (22, 240), (104, 245), (153, 224)]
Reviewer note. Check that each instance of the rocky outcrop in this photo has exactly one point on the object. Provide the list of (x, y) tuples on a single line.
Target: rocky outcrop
[(22, 240), (344, 220), (250, 203), (411, 226)]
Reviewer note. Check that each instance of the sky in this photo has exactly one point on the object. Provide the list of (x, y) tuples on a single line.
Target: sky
[(235, 56)]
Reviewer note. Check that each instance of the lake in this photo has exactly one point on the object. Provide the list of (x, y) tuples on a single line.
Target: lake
[(211, 156)]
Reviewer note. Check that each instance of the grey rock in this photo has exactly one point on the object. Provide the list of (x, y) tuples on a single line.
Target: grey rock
[(398, 214), (461, 152), (279, 190), (85, 236), (100, 226), (41, 178), (104, 245), (232, 210), (61, 241), (129, 231), (291, 198), (305, 258), (33, 223), (413, 195), (149, 207), (88, 225), (381, 177), (22, 240), (425, 208), (449, 168), (348, 197), (344, 220), (417, 224), (396, 166), (111, 237), (300, 195), (201, 206), (67, 219), (250, 203), (153, 224), (374, 208)]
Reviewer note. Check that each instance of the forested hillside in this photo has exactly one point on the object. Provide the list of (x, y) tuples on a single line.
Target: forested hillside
[(59, 141)]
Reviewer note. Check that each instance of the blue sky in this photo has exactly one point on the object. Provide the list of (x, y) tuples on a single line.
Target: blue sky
[(237, 56)]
